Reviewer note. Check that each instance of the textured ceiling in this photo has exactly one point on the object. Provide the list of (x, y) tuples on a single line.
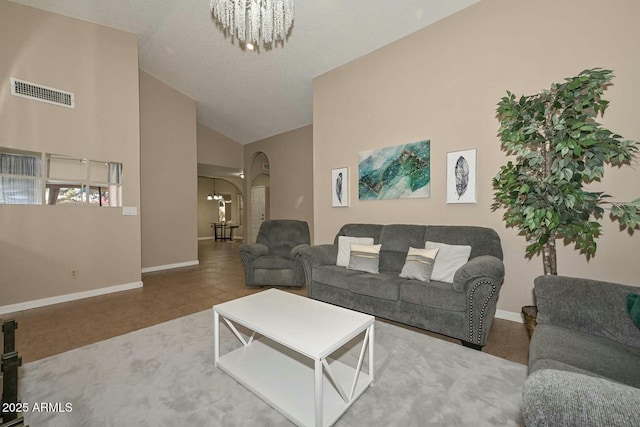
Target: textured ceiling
[(246, 95)]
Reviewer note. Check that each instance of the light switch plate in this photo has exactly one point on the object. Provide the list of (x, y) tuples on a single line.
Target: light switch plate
[(129, 210)]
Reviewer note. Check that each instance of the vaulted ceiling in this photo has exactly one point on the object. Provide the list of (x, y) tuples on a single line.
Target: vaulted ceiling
[(248, 95)]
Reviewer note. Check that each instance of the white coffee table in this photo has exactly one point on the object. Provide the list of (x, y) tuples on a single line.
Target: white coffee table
[(284, 360)]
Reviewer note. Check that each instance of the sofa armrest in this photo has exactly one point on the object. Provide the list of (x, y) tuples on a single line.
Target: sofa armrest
[(254, 250), (297, 250), (589, 306), (484, 267), (480, 280), (320, 254), (559, 398), (316, 255)]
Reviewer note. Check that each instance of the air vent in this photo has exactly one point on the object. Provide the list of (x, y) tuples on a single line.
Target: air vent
[(42, 93)]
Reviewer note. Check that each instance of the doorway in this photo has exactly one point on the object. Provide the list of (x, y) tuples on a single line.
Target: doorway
[(259, 191), (220, 201)]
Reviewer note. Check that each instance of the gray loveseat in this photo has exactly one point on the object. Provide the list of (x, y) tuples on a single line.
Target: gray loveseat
[(463, 309), (584, 356)]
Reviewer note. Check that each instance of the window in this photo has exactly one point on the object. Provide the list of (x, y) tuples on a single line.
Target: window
[(65, 180), (20, 178), (105, 183), (68, 181)]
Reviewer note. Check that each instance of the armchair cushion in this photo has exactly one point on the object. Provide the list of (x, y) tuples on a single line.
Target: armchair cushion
[(584, 351), (273, 262)]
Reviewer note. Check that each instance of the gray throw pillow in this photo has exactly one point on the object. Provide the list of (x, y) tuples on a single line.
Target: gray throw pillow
[(364, 258), (418, 264), (344, 248), (449, 259)]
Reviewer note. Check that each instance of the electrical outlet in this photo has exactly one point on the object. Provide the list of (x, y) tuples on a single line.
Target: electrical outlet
[(73, 273)]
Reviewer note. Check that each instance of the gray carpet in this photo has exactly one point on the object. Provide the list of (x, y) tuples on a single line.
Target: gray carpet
[(164, 376)]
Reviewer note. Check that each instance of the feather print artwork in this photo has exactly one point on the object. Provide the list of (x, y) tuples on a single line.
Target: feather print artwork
[(461, 172), (339, 187)]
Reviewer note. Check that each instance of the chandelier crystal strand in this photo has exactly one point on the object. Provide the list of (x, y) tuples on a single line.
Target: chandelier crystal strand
[(240, 18), (255, 21), (267, 21)]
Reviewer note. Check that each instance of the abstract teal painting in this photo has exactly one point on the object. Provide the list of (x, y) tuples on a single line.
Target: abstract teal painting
[(399, 172)]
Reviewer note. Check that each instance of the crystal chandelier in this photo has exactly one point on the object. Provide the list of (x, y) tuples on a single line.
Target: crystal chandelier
[(255, 21)]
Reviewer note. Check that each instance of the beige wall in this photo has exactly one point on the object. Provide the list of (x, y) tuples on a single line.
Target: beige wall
[(442, 83), (216, 149), (39, 245), (168, 175), (290, 176)]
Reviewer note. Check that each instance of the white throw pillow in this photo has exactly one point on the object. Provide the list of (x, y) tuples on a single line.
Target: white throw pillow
[(449, 259), (344, 247)]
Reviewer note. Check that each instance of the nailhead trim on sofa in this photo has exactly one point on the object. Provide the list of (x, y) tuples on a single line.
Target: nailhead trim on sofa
[(482, 311)]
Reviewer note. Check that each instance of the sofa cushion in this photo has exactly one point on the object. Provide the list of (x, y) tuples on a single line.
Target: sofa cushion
[(384, 285), (418, 264), (333, 275), (364, 258), (396, 239), (449, 259), (483, 240), (273, 262), (434, 294), (344, 248), (360, 230), (585, 351)]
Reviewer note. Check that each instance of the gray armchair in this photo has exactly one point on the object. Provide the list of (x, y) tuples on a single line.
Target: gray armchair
[(272, 259), (584, 356)]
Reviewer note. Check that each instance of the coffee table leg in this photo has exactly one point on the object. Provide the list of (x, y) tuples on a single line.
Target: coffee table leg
[(372, 333), (318, 392), (216, 338)]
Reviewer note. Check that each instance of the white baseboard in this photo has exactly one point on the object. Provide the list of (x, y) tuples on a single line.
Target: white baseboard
[(509, 315), (170, 266), (12, 308), (205, 238)]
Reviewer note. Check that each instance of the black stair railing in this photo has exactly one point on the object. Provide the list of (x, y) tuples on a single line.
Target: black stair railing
[(10, 415)]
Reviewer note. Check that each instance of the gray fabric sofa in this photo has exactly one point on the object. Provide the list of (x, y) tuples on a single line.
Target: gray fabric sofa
[(584, 356), (463, 309), (272, 259)]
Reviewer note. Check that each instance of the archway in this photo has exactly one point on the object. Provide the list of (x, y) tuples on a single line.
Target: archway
[(259, 189)]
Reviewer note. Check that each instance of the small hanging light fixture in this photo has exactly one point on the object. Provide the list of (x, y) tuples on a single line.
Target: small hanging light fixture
[(214, 195)]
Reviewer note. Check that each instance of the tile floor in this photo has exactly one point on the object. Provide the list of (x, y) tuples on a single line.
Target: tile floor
[(174, 293)]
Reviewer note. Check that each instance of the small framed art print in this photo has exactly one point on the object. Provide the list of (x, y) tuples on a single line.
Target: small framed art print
[(461, 176), (340, 187)]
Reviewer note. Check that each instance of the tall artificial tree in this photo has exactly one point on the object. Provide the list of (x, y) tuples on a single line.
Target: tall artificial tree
[(559, 148)]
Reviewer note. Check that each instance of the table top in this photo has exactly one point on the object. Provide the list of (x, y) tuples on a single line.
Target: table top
[(313, 328)]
